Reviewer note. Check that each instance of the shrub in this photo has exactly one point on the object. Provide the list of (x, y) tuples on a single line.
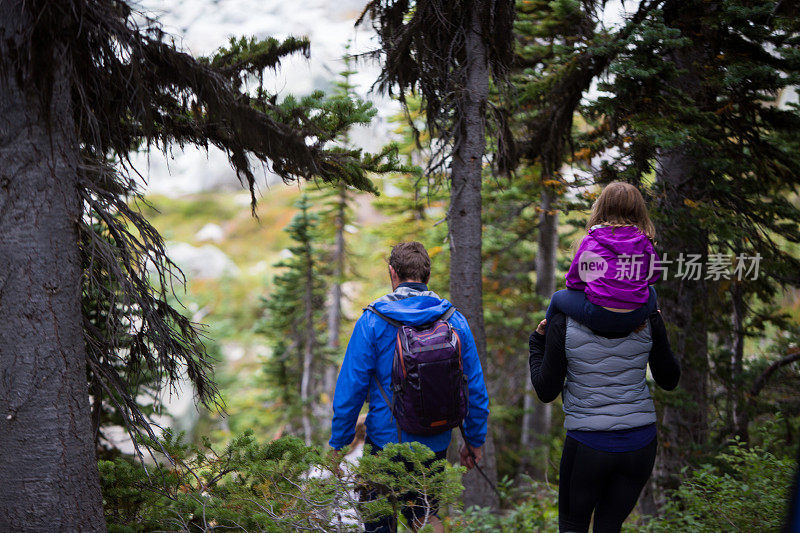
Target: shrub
[(274, 487), (745, 489)]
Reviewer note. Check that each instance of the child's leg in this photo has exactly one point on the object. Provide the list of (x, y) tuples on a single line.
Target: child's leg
[(652, 301), (601, 319), (571, 302)]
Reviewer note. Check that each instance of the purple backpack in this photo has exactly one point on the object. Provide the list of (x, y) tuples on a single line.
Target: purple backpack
[(428, 382)]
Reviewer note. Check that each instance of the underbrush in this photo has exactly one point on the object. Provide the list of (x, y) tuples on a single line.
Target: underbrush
[(285, 485)]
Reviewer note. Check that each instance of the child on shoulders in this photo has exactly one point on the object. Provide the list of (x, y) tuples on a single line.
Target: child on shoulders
[(609, 283)]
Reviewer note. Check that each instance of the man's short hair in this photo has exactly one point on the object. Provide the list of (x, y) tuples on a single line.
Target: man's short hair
[(410, 261)]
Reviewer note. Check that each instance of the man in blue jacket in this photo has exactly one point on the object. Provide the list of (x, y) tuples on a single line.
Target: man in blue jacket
[(370, 353)]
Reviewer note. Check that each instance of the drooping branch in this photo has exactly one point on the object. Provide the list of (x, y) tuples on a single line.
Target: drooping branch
[(548, 130), (134, 336), (131, 86), (791, 357), (424, 52)]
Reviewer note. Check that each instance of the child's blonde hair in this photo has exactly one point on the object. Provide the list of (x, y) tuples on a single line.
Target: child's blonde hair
[(621, 204)]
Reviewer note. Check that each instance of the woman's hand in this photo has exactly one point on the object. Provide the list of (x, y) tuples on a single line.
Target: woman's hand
[(540, 327)]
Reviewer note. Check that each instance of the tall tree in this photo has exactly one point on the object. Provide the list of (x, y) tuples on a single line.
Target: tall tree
[(511, 306), (84, 82), (336, 211), (295, 322), (539, 46), (446, 51), (49, 474)]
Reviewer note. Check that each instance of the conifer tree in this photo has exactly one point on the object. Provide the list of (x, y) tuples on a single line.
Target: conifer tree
[(447, 51), (83, 83), (295, 322), (335, 203)]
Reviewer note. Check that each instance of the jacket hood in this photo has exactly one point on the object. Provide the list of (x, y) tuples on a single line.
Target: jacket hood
[(624, 240), (414, 310)]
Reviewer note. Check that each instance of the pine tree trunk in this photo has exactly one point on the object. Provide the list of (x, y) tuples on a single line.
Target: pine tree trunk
[(308, 346), (537, 418), (48, 473), (739, 415), (335, 303), (464, 225), (683, 304)]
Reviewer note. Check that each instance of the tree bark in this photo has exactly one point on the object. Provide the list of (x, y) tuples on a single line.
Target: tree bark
[(48, 473), (308, 342), (537, 417), (335, 303), (683, 304), (739, 416), (465, 231)]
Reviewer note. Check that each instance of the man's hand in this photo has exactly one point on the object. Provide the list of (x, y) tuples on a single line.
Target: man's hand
[(466, 459), (540, 328)]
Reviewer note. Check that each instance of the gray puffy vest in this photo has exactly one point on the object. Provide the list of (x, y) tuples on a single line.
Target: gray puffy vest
[(606, 387)]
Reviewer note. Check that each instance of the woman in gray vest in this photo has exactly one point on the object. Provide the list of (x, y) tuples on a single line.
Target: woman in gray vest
[(610, 419)]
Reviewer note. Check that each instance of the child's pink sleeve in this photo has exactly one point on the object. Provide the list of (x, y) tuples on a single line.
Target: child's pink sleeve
[(574, 280)]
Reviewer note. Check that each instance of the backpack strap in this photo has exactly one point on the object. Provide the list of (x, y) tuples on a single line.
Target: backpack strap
[(389, 405), (391, 321), (449, 313), (444, 316), (396, 324)]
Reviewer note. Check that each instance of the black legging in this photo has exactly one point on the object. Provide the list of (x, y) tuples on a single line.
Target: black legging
[(607, 483)]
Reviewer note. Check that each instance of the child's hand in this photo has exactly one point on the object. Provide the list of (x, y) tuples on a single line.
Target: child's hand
[(540, 327)]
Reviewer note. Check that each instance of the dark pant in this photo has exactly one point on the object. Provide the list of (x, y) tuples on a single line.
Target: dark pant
[(574, 303), (418, 509), (606, 483)]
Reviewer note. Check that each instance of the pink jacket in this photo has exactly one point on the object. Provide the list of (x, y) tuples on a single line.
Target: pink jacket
[(613, 267)]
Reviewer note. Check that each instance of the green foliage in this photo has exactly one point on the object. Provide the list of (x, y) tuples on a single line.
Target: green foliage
[(294, 322), (335, 207), (416, 205), (251, 57), (743, 489), (278, 486), (534, 508)]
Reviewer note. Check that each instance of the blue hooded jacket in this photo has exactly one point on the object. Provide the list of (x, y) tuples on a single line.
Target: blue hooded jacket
[(370, 353)]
